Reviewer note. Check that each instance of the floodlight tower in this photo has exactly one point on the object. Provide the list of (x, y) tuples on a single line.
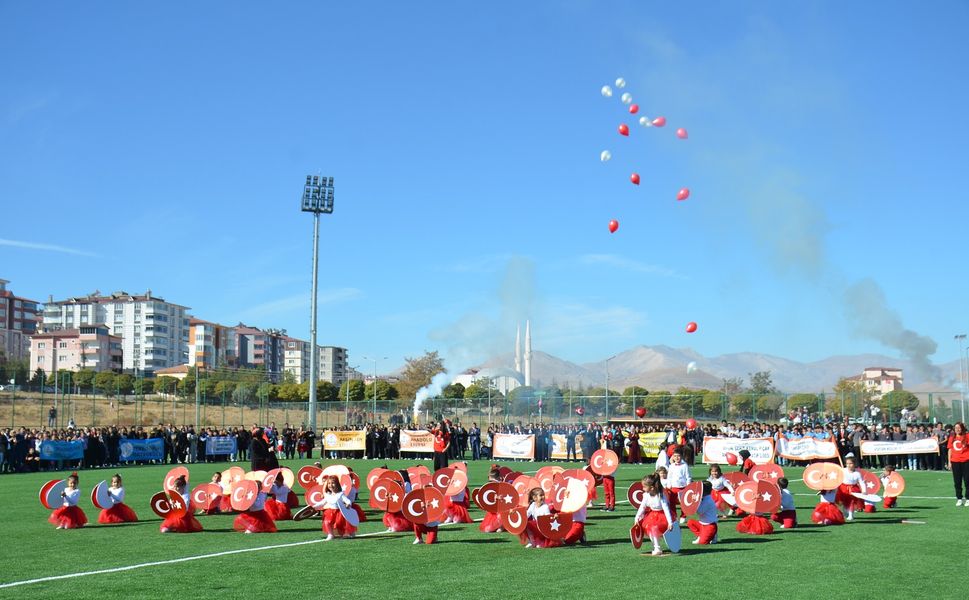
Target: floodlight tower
[(317, 199)]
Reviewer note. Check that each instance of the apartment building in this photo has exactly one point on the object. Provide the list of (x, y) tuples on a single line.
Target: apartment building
[(18, 320), (333, 364), (211, 345), (87, 347), (259, 349)]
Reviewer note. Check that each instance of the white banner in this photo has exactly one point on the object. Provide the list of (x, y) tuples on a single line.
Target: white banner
[(416, 441), (507, 445), (806, 448), (877, 448), (715, 449)]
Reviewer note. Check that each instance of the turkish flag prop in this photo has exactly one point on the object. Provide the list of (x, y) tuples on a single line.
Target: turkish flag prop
[(442, 479), (510, 477), (172, 475), (822, 476), (635, 494), (604, 462), (489, 494), (758, 497), (160, 504), (100, 497), (309, 476), (474, 498), (583, 475), (554, 527), (895, 485), (423, 506), (244, 494), (461, 466), (346, 483), (339, 470), (416, 474), (270, 479), (50, 493), (314, 495), (459, 483), (374, 475), (736, 478), (767, 472), (204, 495), (872, 484), (503, 472), (304, 513), (393, 476), (256, 476), (575, 497), (177, 503), (550, 471), (636, 536), (524, 485), (386, 495), (515, 520), (690, 497)]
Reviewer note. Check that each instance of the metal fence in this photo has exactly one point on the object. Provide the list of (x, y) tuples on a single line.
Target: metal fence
[(32, 409)]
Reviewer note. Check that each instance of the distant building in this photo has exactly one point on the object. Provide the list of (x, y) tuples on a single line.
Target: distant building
[(87, 347), (881, 380), (332, 361), (154, 332), (502, 379), (211, 345), (177, 372), (18, 319), (297, 359), (263, 350), (333, 364)]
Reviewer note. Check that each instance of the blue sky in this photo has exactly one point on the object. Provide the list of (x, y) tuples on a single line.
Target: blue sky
[(164, 146)]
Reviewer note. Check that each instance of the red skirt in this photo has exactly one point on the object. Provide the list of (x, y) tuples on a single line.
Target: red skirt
[(257, 521), (491, 523), (68, 517), (654, 524), (845, 499), (826, 513), (421, 530), (334, 524), (787, 519), (278, 510), (225, 505), (119, 513), (722, 504), (890, 501), (457, 513), (705, 532), (535, 537), (292, 500), (755, 525), (396, 522), (187, 523)]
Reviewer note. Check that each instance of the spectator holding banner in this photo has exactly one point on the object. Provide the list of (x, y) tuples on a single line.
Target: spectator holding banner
[(958, 446)]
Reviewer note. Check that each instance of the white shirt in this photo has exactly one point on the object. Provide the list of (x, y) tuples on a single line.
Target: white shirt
[(331, 500), (116, 495), (535, 511), (787, 500), (854, 478), (281, 492), (706, 513), (718, 483), (579, 515), (654, 502), (71, 497), (662, 460), (678, 475)]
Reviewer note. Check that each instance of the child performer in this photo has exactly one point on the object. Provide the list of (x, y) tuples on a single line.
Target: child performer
[(430, 529), (333, 520), (787, 516), (654, 515), (677, 478), (886, 474), (853, 482), (704, 527), (277, 506), (224, 503), (119, 511), (395, 521), (719, 485), (491, 522), (457, 509), (69, 515), (576, 534), (608, 487), (826, 513), (256, 519), (186, 523), (662, 458), (537, 508), (352, 495)]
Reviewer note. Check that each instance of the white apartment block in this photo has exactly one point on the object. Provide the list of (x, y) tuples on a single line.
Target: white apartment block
[(332, 362), (881, 380), (154, 332), (297, 359)]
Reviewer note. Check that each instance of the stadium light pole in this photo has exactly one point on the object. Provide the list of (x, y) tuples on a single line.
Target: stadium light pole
[(317, 199), (960, 339), (374, 384)]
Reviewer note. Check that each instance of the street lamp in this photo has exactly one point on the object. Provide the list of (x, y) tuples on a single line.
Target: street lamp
[(317, 199), (374, 383), (963, 375), (607, 384), (346, 382)]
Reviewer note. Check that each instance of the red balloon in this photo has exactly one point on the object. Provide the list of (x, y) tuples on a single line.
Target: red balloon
[(579, 410), (681, 133), (634, 178), (690, 327), (633, 109), (683, 194), (659, 121), (640, 412), (731, 458), (690, 423), (613, 226), (624, 129)]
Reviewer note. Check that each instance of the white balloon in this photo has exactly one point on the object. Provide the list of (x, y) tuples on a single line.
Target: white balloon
[(627, 98), (606, 91), (645, 122), (691, 367), (620, 83), (605, 156)]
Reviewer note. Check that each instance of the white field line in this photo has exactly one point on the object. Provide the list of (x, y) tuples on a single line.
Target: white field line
[(182, 560)]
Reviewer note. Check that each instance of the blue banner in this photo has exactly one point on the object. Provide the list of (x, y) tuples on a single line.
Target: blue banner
[(152, 449), (220, 444), (57, 450)]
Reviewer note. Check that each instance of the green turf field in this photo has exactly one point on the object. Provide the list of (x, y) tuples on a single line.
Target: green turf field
[(874, 557)]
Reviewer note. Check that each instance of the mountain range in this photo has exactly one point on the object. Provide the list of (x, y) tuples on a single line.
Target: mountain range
[(665, 368)]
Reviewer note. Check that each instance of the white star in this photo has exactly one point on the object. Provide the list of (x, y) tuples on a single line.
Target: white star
[(507, 499), (555, 525), (249, 495), (609, 463), (435, 503), (766, 496), (869, 484), (773, 475), (893, 484), (394, 497), (832, 475)]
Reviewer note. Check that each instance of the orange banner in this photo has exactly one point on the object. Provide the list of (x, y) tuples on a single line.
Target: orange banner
[(345, 440)]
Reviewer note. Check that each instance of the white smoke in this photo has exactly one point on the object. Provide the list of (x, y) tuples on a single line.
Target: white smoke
[(434, 388)]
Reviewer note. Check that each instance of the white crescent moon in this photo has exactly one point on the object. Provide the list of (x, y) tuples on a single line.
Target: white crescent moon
[(304, 477), (689, 497), (446, 482), (597, 461), (235, 493), (485, 500), (380, 494), (160, 508), (638, 496), (814, 477), (316, 498), (410, 506), (741, 497), (168, 482), (560, 495), (199, 496), (958, 446), (514, 519)]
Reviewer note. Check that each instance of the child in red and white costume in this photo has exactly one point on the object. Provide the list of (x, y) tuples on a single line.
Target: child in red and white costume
[(886, 475), (277, 505), (69, 515), (224, 503), (395, 521), (787, 516), (457, 509), (186, 523), (654, 515), (537, 507), (256, 519), (748, 463), (704, 527), (334, 524), (718, 487), (677, 477), (576, 534), (351, 493), (826, 512), (491, 522), (119, 512), (853, 483)]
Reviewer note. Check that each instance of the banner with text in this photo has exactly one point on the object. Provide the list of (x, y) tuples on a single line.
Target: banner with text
[(220, 444), (806, 448), (58, 450), (509, 445), (560, 446), (151, 449), (715, 449), (649, 443), (881, 448), (416, 441), (345, 440)]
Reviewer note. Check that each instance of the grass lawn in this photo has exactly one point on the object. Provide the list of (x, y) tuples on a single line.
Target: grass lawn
[(874, 556)]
